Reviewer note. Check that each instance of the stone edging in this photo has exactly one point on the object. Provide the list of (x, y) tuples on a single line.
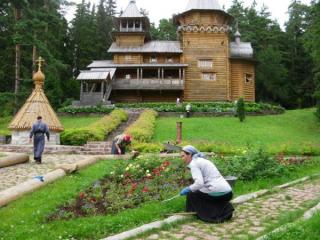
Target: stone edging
[(239, 200), (11, 194), (307, 215)]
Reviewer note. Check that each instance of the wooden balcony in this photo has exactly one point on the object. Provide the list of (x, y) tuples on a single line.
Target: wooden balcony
[(148, 84)]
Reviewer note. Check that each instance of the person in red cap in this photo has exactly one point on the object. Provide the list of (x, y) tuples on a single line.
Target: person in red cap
[(120, 143)]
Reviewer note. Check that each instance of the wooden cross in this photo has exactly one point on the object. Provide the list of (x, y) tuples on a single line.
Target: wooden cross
[(39, 62)]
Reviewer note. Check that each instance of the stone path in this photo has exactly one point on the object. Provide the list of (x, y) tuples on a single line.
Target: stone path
[(250, 219), (11, 176)]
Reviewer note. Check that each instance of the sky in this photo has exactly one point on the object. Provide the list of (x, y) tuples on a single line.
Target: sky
[(159, 9)]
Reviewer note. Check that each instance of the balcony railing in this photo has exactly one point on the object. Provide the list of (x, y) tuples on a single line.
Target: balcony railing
[(149, 84)]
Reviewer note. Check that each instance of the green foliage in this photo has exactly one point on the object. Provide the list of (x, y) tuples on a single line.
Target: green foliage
[(96, 131), (241, 112), (252, 165), (214, 107), (90, 109), (142, 130), (165, 31), (46, 201)]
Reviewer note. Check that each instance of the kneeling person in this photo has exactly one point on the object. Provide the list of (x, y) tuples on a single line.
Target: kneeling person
[(210, 194)]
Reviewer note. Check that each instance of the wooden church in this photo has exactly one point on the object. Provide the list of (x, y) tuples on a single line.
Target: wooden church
[(203, 65)]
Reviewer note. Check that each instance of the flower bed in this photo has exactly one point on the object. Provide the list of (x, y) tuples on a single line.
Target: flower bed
[(127, 186)]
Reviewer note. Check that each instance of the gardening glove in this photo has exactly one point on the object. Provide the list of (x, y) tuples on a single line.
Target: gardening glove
[(185, 191)]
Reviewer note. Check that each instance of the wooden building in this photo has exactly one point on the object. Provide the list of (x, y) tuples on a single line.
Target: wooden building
[(203, 65)]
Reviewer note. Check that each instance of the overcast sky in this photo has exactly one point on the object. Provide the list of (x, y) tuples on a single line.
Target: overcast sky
[(165, 8)]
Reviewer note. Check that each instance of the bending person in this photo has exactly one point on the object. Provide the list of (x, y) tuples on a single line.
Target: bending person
[(120, 143), (210, 194)]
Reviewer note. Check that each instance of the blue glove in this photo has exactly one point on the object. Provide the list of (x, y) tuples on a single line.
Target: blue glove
[(40, 178), (185, 191)]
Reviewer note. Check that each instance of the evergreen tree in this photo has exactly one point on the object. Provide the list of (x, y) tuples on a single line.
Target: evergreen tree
[(165, 31)]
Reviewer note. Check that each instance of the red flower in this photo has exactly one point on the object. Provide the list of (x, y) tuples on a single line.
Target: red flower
[(82, 195), (166, 163), (145, 189)]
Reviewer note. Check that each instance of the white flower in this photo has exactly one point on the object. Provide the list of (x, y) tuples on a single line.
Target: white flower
[(121, 176), (147, 171), (148, 175), (128, 168)]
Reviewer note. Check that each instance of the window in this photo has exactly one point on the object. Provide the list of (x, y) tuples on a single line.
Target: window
[(153, 59), (205, 63), (169, 60), (137, 24), (127, 57), (248, 78), (209, 76), (128, 76), (124, 24)]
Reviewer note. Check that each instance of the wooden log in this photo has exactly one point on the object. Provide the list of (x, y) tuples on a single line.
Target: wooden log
[(14, 159)]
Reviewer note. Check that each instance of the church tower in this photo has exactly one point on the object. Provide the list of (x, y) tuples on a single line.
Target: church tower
[(132, 30), (204, 35)]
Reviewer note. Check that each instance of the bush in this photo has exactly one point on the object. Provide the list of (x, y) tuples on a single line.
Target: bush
[(94, 132), (241, 112), (91, 109), (142, 130), (212, 107), (252, 165)]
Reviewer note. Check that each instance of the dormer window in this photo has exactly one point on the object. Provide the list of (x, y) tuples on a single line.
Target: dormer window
[(130, 24), (124, 24)]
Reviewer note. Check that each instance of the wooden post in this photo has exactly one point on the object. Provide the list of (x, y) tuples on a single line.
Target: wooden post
[(179, 132), (81, 91)]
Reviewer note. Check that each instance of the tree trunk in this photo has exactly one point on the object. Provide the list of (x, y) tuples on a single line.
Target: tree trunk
[(17, 15)]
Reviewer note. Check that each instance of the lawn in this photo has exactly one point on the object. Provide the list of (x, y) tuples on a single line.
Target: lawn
[(294, 128), (26, 218), (67, 121)]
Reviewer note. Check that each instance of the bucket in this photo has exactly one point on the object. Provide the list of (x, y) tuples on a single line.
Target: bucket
[(3, 139), (231, 180)]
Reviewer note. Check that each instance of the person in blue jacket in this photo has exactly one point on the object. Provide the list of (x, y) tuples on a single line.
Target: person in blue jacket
[(210, 194), (39, 129)]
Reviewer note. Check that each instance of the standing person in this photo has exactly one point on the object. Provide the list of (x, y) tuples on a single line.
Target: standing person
[(39, 129), (210, 194), (120, 143), (188, 110)]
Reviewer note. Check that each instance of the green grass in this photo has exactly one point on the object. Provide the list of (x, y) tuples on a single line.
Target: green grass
[(294, 128), (78, 122), (25, 218), (3, 126), (67, 121), (307, 230)]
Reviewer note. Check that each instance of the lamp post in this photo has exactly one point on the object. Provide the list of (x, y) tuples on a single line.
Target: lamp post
[(179, 132)]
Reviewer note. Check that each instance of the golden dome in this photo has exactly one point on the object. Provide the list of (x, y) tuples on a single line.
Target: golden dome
[(38, 78)]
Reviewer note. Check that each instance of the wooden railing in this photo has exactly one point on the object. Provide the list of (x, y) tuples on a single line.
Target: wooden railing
[(149, 83)]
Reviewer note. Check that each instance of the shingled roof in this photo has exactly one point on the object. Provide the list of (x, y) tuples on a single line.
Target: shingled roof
[(203, 5), (131, 11), (36, 105)]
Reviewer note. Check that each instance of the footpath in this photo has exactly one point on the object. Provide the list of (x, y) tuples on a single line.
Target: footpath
[(252, 218)]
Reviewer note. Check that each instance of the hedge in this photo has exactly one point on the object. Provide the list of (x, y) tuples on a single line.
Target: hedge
[(142, 130), (94, 132)]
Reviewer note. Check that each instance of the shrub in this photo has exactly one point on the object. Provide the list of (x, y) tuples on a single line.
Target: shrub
[(241, 112), (213, 107), (252, 165), (91, 109), (94, 132), (142, 130)]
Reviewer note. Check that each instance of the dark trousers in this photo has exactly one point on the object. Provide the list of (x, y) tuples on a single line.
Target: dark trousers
[(210, 208)]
